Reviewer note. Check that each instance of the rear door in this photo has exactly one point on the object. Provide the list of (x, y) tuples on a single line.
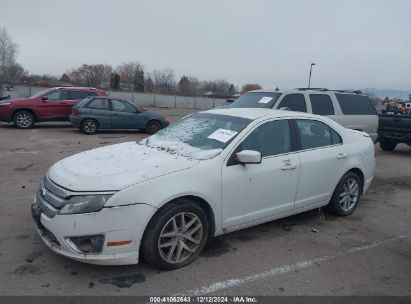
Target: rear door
[(322, 104), (357, 112), (125, 116), (323, 160), (293, 102)]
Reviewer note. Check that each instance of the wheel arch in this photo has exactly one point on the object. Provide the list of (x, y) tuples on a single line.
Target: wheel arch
[(85, 118), (155, 120), (195, 199), (15, 111), (360, 174)]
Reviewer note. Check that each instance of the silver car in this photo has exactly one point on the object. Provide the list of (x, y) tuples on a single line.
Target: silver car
[(351, 109)]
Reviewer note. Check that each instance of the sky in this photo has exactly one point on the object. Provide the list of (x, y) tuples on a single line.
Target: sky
[(354, 43)]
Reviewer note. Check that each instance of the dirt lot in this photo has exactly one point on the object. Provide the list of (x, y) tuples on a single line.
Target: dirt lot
[(368, 253)]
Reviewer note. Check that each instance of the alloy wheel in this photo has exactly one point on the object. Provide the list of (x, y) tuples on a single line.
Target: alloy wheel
[(180, 237), (349, 194), (24, 120)]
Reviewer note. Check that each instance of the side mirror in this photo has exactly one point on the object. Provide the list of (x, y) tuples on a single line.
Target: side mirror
[(44, 98), (285, 109), (249, 157)]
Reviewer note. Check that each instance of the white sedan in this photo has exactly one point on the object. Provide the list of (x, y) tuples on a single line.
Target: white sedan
[(208, 174)]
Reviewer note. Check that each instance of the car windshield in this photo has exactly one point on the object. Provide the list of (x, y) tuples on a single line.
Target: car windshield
[(199, 136), (40, 93), (256, 100)]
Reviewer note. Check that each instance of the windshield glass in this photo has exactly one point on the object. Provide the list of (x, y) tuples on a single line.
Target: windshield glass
[(199, 136), (256, 100), (40, 93)]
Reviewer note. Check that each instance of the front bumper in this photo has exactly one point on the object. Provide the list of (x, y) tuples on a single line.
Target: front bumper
[(116, 224)]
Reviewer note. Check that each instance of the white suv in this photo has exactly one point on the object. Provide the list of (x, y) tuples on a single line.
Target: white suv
[(349, 108)]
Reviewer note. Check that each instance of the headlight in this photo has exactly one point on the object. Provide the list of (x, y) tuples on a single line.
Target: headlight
[(85, 203), (5, 103)]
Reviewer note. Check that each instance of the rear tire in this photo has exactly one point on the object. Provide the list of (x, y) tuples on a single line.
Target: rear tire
[(23, 120), (89, 126), (153, 127), (387, 145), (175, 236), (346, 195)]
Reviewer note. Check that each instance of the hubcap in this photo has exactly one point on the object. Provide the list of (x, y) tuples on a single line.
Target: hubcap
[(180, 237), (349, 194), (24, 120), (154, 128), (89, 126)]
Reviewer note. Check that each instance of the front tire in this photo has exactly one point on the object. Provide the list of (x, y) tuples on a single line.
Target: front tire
[(23, 120), (176, 235), (153, 127), (346, 195), (387, 145), (89, 126)]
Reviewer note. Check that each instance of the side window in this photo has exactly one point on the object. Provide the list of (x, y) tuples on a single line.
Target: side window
[(74, 95), (98, 103), (295, 102), (122, 106), (336, 138), (356, 104), (321, 104), (314, 134), (271, 138), (57, 95)]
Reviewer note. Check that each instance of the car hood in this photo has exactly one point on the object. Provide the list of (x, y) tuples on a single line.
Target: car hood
[(116, 167), (17, 101)]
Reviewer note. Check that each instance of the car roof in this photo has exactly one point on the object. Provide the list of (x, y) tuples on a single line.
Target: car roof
[(75, 88), (255, 113), (312, 90)]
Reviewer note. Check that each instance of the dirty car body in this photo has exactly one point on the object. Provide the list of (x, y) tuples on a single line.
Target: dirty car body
[(102, 206)]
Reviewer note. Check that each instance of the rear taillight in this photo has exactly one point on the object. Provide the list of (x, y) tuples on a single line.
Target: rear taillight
[(76, 112)]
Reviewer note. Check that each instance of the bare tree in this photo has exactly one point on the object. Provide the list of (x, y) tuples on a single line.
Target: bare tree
[(8, 53), (132, 73), (164, 80), (188, 86), (250, 86), (91, 75)]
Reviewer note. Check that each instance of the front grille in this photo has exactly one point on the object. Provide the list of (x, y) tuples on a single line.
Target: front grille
[(50, 197)]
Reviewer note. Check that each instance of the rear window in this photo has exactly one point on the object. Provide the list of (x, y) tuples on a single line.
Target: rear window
[(321, 104), (295, 102), (256, 100), (356, 104)]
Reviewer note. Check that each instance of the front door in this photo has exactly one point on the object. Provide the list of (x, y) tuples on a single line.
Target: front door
[(125, 116), (256, 191), (54, 107)]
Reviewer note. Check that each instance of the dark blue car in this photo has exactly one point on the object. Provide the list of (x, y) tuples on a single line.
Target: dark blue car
[(95, 113)]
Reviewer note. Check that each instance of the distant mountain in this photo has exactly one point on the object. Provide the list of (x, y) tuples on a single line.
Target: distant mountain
[(391, 93)]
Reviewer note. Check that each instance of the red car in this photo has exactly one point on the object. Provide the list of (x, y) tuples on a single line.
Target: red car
[(49, 105)]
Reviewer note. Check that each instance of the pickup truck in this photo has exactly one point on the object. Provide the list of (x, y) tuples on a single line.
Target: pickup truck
[(394, 129)]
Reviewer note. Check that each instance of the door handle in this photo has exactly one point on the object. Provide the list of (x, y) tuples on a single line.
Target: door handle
[(288, 166), (341, 155)]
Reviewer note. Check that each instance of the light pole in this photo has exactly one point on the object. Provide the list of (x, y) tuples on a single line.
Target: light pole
[(309, 78)]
